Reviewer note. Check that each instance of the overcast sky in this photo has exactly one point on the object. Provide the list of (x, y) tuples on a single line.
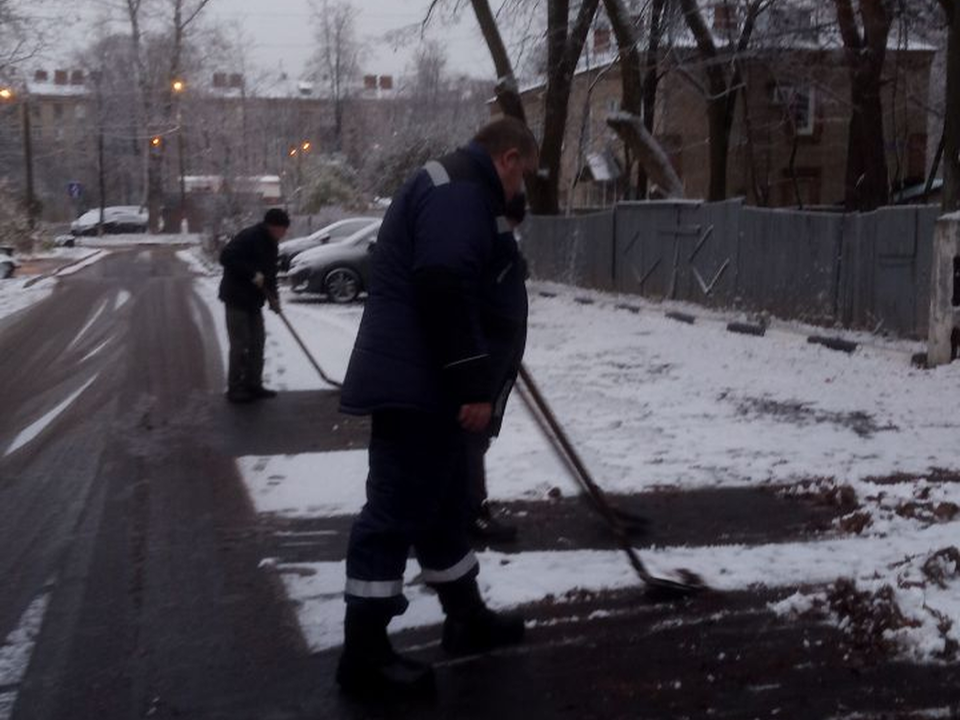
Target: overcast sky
[(282, 31)]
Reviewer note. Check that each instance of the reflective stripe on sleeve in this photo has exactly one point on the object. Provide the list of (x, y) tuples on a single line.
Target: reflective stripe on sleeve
[(503, 225), (468, 563), (374, 588), (437, 172)]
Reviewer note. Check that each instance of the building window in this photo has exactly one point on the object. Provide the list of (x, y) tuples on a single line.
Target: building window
[(60, 77), (799, 107), (41, 76), (236, 80), (369, 82), (80, 111), (219, 80), (58, 112), (386, 82), (76, 77)]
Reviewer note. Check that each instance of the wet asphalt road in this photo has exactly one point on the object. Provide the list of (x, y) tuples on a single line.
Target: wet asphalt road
[(125, 515), (123, 518)]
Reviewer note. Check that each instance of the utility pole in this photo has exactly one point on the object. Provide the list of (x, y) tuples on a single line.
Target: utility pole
[(178, 87)]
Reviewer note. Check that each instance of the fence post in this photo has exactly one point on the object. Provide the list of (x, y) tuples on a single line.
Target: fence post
[(944, 331)]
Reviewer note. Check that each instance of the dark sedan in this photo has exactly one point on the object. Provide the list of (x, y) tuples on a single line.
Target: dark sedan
[(339, 271)]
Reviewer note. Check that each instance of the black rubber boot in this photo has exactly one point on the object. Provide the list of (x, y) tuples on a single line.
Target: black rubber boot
[(471, 627), (370, 668)]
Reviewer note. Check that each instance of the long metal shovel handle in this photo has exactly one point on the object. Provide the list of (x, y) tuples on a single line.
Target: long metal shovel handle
[(306, 351), (568, 453)]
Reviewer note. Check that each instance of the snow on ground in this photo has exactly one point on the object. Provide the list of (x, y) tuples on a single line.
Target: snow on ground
[(20, 292), (654, 403)]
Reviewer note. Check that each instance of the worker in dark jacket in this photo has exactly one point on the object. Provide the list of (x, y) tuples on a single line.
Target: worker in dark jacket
[(439, 332), (485, 527), (249, 279)]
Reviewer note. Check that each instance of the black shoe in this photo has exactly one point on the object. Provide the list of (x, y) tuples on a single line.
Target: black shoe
[(240, 396), (363, 679), (488, 529), (481, 632), (262, 393)]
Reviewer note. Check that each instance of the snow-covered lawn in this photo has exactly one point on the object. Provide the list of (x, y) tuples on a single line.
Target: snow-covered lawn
[(654, 403)]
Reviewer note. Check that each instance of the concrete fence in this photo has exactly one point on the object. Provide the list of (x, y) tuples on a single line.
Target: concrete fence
[(868, 271)]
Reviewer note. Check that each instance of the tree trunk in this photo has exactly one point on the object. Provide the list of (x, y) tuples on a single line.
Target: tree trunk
[(629, 124), (867, 182), (720, 124), (651, 82), (951, 166)]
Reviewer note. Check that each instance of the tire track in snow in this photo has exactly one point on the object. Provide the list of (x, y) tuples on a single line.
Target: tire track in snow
[(16, 652), (34, 429)]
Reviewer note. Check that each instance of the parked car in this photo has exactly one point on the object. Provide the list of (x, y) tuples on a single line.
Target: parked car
[(336, 232), (7, 264), (116, 219), (339, 270)]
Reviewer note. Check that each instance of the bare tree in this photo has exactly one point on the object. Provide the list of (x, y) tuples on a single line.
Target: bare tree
[(336, 62), (566, 37), (724, 77), (951, 135), (865, 43)]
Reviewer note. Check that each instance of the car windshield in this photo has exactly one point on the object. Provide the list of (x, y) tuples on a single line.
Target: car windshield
[(342, 230)]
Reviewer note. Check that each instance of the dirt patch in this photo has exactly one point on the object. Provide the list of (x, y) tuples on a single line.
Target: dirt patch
[(801, 413), (868, 619), (933, 475)]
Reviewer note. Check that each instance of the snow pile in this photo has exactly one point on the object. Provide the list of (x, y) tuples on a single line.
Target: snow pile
[(18, 293)]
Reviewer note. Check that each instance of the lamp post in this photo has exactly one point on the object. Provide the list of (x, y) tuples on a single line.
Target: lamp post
[(178, 87), (298, 151), (8, 94)]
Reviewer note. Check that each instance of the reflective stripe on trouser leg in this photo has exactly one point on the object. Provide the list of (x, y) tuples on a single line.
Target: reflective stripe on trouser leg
[(452, 573), (373, 588)]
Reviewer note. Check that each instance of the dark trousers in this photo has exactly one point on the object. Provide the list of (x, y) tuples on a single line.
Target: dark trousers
[(417, 496), (247, 340), (475, 447)]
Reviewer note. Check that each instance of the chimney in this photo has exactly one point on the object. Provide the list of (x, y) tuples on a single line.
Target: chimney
[(601, 40)]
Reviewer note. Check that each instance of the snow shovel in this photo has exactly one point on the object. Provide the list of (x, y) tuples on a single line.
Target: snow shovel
[(662, 588), (306, 352)]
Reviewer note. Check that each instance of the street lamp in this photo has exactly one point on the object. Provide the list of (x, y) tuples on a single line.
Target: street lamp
[(179, 86), (7, 94), (298, 151)]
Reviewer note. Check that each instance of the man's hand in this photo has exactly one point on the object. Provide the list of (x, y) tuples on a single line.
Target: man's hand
[(259, 280), (475, 417)]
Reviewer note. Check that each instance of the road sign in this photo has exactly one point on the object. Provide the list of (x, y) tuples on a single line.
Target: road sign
[(74, 189)]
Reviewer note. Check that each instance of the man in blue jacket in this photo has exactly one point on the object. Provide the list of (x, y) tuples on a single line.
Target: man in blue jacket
[(437, 345), (249, 279)]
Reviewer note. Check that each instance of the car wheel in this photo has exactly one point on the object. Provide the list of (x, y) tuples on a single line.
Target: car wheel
[(342, 285)]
